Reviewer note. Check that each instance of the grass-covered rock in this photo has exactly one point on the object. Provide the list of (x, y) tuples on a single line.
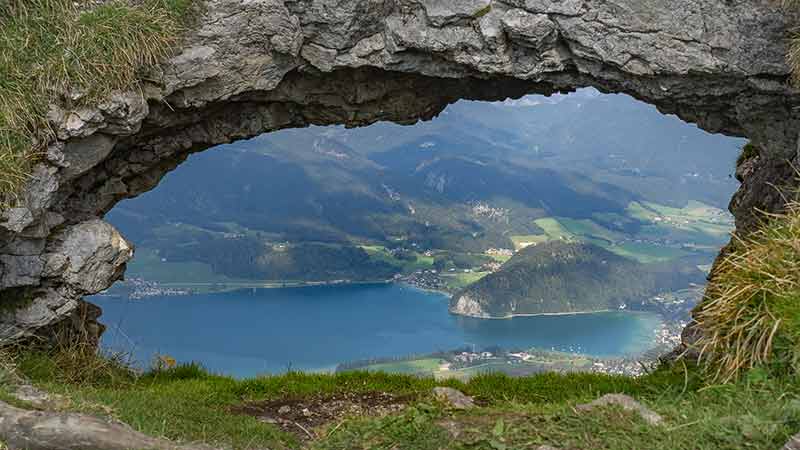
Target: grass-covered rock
[(70, 52), (187, 404), (750, 316)]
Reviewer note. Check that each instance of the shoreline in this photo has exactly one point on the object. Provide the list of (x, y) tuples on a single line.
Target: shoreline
[(195, 288), (570, 313), (419, 288)]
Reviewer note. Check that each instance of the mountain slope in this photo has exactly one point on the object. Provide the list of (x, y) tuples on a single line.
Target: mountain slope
[(563, 277)]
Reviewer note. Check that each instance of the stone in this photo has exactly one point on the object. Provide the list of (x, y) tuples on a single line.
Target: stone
[(285, 409), (320, 57), (793, 443), (453, 398), (441, 13), (531, 30), (16, 219), (82, 154), (252, 66), (96, 252), (36, 397), (625, 402), (46, 430), (20, 270)]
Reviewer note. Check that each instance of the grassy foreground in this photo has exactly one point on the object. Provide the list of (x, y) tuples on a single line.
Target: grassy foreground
[(185, 403), (56, 51), (751, 310)]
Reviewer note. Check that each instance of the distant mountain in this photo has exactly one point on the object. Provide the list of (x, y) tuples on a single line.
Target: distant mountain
[(477, 177), (563, 277)]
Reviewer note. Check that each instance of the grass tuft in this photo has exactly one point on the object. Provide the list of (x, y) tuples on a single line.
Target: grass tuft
[(793, 56), (75, 363), (54, 51), (751, 313)]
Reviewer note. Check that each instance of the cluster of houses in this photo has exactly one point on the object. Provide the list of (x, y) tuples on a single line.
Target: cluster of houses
[(470, 357), (141, 288)]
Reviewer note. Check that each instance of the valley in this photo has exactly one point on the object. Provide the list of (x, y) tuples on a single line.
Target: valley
[(474, 203)]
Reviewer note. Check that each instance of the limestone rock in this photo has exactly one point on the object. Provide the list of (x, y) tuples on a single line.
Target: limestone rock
[(627, 403), (44, 430), (441, 13), (531, 30), (453, 397), (89, 254), (793, 443), (252, 66)]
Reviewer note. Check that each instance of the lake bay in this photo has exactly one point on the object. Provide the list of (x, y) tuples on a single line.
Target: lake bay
[(255, 331)]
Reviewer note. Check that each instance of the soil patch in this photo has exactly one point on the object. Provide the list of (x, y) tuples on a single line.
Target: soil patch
[(302, 416)]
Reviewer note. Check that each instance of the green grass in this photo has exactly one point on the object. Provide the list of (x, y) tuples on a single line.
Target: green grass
[(644, 252), (381, 253), (188, 404), (553, 228), (415, 366), (750, 315), (695, 217), (589, 229), (52, 52), (459, 280), (733, 417), (148, 265)]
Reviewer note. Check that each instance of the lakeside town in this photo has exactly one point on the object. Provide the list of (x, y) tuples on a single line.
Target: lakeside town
[(466, 363)]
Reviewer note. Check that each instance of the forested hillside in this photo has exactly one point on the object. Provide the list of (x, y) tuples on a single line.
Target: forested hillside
[(481, 176), (560, 277)]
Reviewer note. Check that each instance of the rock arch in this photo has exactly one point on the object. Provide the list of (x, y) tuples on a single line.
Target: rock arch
[(252, 66)]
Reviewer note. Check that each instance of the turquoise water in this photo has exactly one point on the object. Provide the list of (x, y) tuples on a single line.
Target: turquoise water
[(249, 332)]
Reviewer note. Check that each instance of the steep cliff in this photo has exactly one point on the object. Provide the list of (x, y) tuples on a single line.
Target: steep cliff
[(249, 67)]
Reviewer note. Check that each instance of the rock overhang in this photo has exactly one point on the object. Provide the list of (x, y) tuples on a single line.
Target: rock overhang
[(249, 67)]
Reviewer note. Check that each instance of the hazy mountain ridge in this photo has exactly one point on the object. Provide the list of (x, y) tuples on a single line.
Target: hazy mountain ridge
[(468, 181)]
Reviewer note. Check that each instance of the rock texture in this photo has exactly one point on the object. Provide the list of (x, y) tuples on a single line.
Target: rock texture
[(253, 66), (625, 402), (453, 398), (44, 430), (793, 443)]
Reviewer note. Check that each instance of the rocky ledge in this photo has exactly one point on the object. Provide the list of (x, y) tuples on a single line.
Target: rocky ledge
[(254, 66)]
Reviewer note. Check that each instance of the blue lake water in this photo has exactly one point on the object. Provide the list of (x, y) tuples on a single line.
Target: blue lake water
[(256, 331)]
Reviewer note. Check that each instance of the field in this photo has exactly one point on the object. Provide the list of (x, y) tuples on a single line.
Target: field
[(458, 280), (664, 234), (423, 366), (590, 229), (149, 265), (646, 253), (554, 229), (695, 216), (523, 241), (381, 253)]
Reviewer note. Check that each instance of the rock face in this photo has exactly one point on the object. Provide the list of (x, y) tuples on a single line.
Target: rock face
[(453, 398), (253, 66), (625, 402), (45, 430)]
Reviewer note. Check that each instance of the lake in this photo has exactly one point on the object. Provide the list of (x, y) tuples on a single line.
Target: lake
[(254, 331)]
